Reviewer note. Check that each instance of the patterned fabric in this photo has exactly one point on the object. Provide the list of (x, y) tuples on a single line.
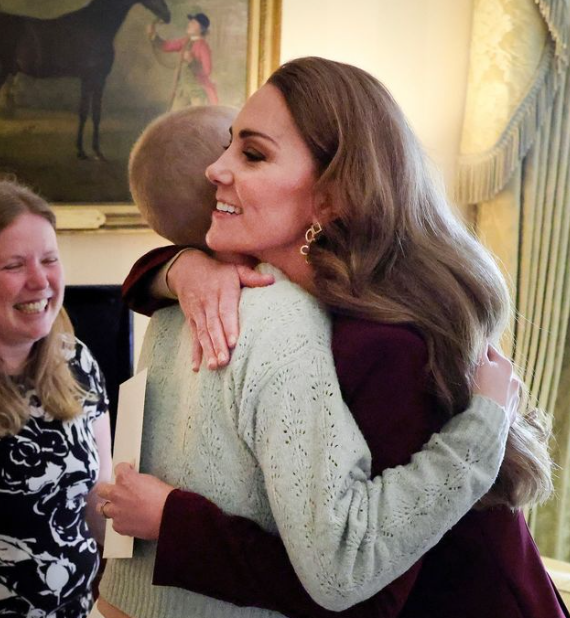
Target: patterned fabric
[(517, 120), (48, 557), (269, 438), (519, 52)]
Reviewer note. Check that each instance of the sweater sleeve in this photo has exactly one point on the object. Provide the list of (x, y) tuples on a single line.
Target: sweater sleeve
[(243, 564), (205, 550), (135, 288), (348, 536)]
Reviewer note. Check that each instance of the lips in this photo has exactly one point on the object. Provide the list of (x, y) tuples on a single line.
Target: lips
[(36, 306)]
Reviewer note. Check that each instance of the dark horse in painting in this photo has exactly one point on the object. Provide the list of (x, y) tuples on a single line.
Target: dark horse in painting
[(77, 44)]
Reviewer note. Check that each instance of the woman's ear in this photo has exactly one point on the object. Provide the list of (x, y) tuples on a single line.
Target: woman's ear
[(325, 206)]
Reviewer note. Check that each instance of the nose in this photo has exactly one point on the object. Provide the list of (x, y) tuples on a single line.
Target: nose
[(37, 277), (218, 172)]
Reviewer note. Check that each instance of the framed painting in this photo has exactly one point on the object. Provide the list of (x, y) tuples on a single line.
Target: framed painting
[(80, 79)]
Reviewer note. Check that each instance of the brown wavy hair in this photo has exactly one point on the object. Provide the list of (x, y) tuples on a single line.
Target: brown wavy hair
[(395, 252), (46, 369)]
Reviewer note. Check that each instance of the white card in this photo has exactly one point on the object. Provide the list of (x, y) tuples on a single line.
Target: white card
[(127, 448)]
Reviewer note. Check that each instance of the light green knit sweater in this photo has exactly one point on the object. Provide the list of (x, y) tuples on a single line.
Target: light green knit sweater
[(269, 438)]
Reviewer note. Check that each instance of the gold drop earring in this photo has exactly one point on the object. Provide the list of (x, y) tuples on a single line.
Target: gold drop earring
[(311, 235)]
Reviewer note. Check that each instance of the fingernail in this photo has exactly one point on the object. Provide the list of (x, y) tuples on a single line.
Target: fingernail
[(232, 341), (212, 363), (222, 358)]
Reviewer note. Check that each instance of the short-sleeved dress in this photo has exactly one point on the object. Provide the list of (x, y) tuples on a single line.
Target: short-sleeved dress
[(48, 557)]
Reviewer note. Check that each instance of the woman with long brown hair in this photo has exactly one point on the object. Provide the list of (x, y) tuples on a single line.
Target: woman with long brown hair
[(321, 159)]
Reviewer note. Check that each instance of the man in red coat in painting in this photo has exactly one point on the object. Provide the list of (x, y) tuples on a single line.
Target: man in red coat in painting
[(195, 54)]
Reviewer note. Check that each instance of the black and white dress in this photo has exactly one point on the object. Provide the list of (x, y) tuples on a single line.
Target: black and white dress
[(48, 557)]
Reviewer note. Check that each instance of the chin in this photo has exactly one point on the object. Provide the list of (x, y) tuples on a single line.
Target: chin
[(218, 244), (41, 331)]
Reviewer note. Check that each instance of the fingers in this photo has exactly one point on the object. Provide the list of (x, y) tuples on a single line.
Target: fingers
[(203, 336), (213, 323), (217, 337), (514, 398), (123, 468), (103, 490), (495, 379), (196, 347), (209, 294), (103, 508), (106, 491), (494, 355), (229, 315), (250, 278)]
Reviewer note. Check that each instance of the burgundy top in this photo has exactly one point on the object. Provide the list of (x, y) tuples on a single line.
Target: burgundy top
[(487, 566)]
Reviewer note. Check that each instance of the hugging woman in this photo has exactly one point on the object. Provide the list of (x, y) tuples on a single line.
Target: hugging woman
[(414, 300)]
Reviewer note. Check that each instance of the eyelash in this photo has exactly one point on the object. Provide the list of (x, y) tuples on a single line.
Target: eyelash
[(252, 157), (47, 261)]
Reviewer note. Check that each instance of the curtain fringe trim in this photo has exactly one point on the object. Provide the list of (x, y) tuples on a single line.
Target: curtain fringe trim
[(481, 176), (556, 16)]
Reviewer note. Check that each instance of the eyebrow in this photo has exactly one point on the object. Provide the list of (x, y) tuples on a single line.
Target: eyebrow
[(22, 256), (245, 133)]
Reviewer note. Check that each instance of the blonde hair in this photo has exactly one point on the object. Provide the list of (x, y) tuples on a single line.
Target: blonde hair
[(167, 171), (395, 252), (46, 369)]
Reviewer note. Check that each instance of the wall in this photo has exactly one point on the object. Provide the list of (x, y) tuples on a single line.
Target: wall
[(418, 48), (92, 258)]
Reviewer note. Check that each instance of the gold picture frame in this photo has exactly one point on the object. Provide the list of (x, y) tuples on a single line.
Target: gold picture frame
[(263, 51)]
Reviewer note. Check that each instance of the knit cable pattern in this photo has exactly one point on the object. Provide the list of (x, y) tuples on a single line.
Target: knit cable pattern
[(270, 438)]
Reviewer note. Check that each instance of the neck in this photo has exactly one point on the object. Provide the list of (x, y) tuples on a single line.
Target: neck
[(235, 258), (14, 358), (293, 265), (296, 268), (114, 13)]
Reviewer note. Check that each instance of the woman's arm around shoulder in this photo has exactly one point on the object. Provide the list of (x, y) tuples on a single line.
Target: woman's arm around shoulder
[(242, 563), (349, 536), (246, 565), (136, 287)]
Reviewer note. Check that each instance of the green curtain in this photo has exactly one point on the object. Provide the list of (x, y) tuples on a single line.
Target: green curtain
[(543, 304), (515, 169)]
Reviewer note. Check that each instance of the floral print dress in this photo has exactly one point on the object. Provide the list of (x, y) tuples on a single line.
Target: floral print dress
[(48, 557)]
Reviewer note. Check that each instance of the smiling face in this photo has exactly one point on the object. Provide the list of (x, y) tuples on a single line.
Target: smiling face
[(31, 284), (265, 185)]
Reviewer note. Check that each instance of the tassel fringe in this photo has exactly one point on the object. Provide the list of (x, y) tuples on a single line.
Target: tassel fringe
[(481, 176)]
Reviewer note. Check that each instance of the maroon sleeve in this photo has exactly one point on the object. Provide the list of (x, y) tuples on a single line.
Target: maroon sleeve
[(136, 285), (205, 550)]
